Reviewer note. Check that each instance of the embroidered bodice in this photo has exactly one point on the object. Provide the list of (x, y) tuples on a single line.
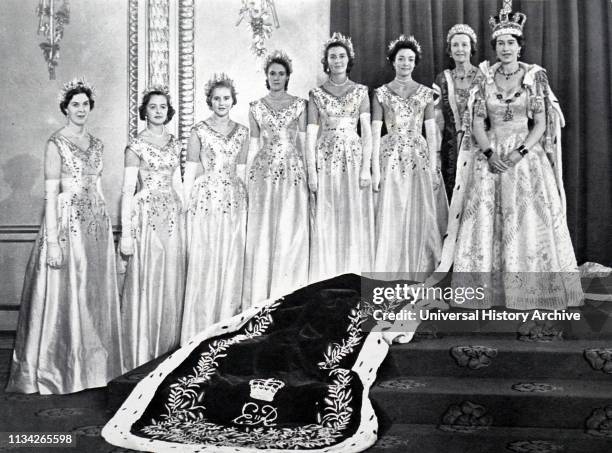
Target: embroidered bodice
[(80, 168), (404, 115), (278, 157), (218, 152), (157, 164), (339, 114)]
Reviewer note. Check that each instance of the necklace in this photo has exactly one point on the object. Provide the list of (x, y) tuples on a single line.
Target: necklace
[(469, 73), (402, 83), (150, 131), (338, 84), (507, 75)]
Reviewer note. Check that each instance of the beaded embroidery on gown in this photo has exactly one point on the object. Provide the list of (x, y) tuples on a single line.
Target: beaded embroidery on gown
[(342, 233), (513, 230), (278, 230), (153, 292), (408, 221), (68, 335), (216, 230)]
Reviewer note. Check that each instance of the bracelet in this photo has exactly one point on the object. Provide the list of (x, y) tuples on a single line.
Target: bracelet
[(522, 150), (488, 153)]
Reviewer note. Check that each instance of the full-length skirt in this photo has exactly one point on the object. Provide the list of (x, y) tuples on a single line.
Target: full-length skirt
[(68, 335), (154, 288), (216, 229), (277, 238), (513, 237), (408, 218), (342, 237)]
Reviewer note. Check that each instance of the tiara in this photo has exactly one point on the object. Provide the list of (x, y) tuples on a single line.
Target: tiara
[(461, 29), (278, 55), (339, 38), (216, 79), (407, 39), (159, 88), (76, 83), (507, 22), (265, 389)]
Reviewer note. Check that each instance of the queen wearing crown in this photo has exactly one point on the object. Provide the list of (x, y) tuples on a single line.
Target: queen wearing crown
[(68, 335), (152, 236), (216, 212), (339, 168), (276, 259), (508, 209), (453, 88), (411, 208)]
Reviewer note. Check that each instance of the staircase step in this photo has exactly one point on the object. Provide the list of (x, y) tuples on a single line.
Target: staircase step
[(547, 403), (455, 356), (403, 438)]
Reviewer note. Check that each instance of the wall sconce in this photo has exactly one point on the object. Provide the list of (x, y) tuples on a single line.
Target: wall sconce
[(261, 16), (52, 16)]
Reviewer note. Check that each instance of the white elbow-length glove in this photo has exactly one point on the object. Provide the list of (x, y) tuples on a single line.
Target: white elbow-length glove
[(365, 175), (54, 252), (376, 132), (431, 131), (130, 175), (177, 185), (312, 130)]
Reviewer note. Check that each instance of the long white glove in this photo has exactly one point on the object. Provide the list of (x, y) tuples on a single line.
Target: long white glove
[(301, 146), (130, 175), (376, 131), (250, 158), (312, 130), (365, 175), (54, 252), (431, 132), (99, 187), (191, 169)]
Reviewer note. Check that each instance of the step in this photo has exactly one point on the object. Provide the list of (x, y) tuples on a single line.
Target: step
[(547, 403), (491, 356), (409, 438)]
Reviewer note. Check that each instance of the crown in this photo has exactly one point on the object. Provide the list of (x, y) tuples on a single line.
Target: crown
[(75, 83), (463, 29), (339, 38), (405, 39), (507, 22), (160, 88), (278, 55), (265, 389), (215, 79)]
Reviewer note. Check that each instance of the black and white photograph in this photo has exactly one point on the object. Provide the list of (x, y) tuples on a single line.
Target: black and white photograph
[(325, 226)]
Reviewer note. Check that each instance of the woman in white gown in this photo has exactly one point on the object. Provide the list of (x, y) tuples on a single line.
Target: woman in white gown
[(68, 335), (342, 238), (277, 227), (409, 219), (152, 236), (217, 210), (508, 231)]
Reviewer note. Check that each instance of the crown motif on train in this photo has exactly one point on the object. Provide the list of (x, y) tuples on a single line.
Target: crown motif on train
[(75, 83), (507, 22), (265, 389), (339, 38), (405, 39), (215, 79), (157, 87), (278, 55), (461, 29)]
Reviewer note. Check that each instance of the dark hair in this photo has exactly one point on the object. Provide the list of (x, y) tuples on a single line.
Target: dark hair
[(351, 60), (217, 84), (392, 52), (472, 45), (72, 93), (519, 39), (284, 64), (142, 110)]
